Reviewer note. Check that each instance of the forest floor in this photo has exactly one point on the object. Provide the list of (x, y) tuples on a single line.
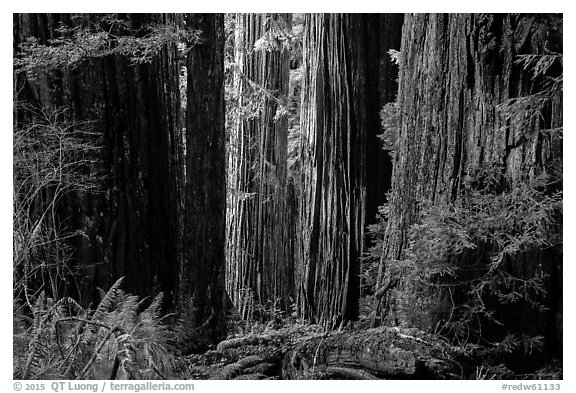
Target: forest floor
[(302, 351)]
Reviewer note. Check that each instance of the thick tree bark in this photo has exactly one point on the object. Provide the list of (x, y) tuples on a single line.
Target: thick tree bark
[(132, 225), (259, 250), (333, 153), (348, 77), (454, 72), (202, 274), (148, 167)]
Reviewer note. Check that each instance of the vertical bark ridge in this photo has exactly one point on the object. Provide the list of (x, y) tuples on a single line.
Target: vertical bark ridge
[(258, 250), (333, 151)]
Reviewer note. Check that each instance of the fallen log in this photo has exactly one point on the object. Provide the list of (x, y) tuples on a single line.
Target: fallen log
[(388, 353), (232, 370), (257, 376), (347, 373), (244, 341)]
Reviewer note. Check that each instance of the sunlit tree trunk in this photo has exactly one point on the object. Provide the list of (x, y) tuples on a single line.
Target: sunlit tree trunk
[(259, 250), (348, 76), (333, 153)]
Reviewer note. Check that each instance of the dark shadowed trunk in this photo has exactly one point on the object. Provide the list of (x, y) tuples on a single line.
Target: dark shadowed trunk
[(202, 274), (131, 223)]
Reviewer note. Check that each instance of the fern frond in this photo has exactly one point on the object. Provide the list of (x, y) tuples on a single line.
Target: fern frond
[(39, 349), (153, 313), (39, 309), (101, 293), (108, 300), (67, 306), (128, 312)]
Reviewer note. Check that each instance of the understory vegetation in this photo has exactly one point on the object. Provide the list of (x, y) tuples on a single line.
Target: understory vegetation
[(123, 337), (455, 267)]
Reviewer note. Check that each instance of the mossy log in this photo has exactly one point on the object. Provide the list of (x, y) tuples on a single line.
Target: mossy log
[(244, 341), (347, 373), (389, 353), (235, 369)]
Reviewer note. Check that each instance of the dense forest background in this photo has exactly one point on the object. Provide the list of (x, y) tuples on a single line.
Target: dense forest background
[(315, 196)]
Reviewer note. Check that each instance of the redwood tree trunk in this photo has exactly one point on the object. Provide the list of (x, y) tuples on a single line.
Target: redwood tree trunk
[(454, 72), (259, 252), (348, 77), (132, 224), (202, 274), (333, 153)]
